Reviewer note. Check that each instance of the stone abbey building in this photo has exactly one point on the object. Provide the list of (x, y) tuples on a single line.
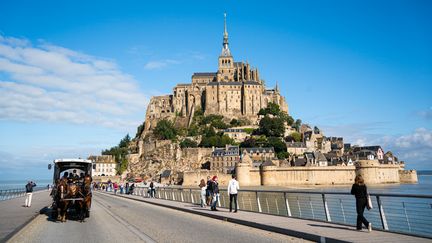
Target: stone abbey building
[(235, 90)]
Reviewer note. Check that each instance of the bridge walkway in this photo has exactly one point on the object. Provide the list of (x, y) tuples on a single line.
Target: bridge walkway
[(13, 214), (307, 229)]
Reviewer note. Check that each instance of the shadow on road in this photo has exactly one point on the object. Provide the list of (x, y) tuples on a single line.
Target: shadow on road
[(331, 226)]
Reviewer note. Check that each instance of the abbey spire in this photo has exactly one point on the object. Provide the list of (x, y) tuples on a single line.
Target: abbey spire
[(225, 49), (226, 61)]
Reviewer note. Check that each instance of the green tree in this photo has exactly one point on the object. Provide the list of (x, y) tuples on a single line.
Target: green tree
[(120, 153), (165, 130), (287, 118), (296, 136), (219, 124), (282, 155), (271, 126), (140, 129), (188, 143), (277, 144), (234, 122), (249, 142), (271, 108), (124, 143), (193, 130), (297, 124)]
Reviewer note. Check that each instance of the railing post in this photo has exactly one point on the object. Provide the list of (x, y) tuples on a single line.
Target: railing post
[(326, 210), (258, 202), (173, 196), (192, 199), (287, 205), (181, 195), (382, 214), (166, 197)]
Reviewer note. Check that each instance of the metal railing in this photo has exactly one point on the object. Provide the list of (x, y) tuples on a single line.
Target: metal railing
[(402, 213), (11, 193)]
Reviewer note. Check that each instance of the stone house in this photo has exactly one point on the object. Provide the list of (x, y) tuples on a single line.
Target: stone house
[(224, 159), (296, 148), (315, 159), (237, 134), (105, 165), (336, 145), (259, 154), (376, 150)]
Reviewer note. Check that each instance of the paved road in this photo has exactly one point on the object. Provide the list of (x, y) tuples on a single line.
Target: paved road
[(122, 220), (13, 214)]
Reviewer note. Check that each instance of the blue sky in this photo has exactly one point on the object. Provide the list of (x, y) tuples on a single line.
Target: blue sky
[(76, 77)]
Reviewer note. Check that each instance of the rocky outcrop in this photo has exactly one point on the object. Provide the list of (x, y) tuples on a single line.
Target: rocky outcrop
[(160, 155)]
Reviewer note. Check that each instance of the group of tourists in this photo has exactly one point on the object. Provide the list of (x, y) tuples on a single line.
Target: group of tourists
[(123, 188), (210, 192)]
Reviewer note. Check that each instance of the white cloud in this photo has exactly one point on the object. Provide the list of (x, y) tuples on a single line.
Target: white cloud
[(53, 83), (414, 148), (153, 65), (421, 137)]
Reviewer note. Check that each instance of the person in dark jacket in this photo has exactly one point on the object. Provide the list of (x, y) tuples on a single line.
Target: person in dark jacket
[(214, 191), (208, 189), (29, 193), (359, 190)]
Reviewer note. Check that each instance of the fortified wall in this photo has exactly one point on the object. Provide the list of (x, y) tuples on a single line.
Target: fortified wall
[(371, 170), (193, 178), (408, 176)]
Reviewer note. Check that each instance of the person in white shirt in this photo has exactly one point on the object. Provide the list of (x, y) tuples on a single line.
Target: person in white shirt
[(233, 187)]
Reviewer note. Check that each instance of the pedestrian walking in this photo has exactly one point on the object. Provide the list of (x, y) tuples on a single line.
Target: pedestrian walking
[(121, 188), (152, 190), (29, 193), (127, 187), (208, 189), (203, 187), (359, 190), (215, 193), (115, 186), (233, 187)]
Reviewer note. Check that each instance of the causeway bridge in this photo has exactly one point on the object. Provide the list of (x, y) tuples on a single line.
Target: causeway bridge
[(264, 216)]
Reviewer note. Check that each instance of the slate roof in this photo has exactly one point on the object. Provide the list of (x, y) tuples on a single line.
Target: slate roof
[(296, 145), (372, 148), (300, 162), (232, 150), (204, 74), (234, 130), (258, 149)]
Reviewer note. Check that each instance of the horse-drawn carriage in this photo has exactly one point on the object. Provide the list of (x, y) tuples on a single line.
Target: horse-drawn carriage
[(72, 189)]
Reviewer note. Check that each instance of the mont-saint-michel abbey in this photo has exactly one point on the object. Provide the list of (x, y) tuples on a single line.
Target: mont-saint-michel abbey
[(235, 90), (228, 122)]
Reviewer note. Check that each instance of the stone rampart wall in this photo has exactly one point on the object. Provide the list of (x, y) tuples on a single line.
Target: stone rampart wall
[(408, 176), (193, 178)]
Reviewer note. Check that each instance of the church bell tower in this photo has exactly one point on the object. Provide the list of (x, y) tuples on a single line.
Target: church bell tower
[(226, 62)]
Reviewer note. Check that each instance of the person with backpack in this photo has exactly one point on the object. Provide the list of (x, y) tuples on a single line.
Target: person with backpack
[(29, 193)]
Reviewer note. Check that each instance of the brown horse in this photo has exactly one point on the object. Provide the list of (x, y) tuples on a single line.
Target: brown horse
[(60, 202), (86, 193)]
